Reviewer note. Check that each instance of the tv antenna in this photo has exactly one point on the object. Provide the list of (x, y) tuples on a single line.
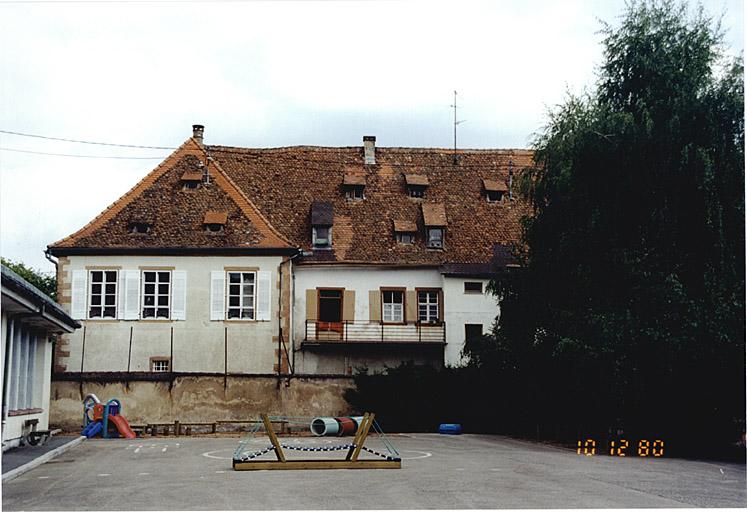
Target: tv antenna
[(456, 123)]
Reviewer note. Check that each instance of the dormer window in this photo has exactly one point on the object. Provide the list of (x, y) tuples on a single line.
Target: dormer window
[(405, 230), (416, 185), (353, 184), (191, 180), (495, 190), (434, 218), (322, 236), (214, 222), (140, 227), (435, 238), (322, 216)]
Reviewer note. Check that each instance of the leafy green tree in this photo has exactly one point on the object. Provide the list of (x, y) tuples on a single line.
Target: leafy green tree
[(629, 309), (45, 283)]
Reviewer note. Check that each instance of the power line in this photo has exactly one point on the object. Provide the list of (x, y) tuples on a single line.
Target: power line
[(85, 141), (85, 156)]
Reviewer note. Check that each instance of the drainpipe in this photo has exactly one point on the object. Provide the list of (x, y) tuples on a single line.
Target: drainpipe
[(7, 366)]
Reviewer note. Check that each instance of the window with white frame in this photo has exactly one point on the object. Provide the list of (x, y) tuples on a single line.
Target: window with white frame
[(156, 294), (428, 308), (322, 236), (160, 365), (392, 306), (102, 294), (241, 295), (435, 238)]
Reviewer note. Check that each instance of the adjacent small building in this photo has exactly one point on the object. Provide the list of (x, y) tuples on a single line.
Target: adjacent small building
[(29, 321)]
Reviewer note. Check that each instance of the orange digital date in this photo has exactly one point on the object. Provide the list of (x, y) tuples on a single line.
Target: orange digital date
[(620, 447)]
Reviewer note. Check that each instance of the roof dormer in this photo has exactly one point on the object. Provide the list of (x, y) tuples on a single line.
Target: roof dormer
[(416, 185), (191, 179), (404, 231), (353, 185), (434, 219), (495, 190), (215, 221), (322, 216)]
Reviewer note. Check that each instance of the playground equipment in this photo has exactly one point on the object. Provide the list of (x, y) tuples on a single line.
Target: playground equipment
[(98, 416), (245, 459)]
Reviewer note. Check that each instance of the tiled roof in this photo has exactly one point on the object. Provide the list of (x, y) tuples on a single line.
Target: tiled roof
[(267, 197), (354, 179), (176, 215), (283, 183), (322, 213), (434, 215), (495, 186), (405, 226), (192, 175)]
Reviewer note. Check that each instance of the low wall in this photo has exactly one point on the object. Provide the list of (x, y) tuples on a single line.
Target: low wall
[(203, 398)]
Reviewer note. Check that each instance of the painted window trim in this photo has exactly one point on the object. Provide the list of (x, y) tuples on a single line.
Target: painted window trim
[(402, 290), (155, 306), (439, 297), (227, 306), (160, 359), (89, 293)]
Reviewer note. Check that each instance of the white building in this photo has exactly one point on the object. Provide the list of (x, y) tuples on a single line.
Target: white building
[(303, 261), (29, 319)]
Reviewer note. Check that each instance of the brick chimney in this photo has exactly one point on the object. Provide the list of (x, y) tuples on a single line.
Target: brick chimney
[(197, 131), (369, 149)]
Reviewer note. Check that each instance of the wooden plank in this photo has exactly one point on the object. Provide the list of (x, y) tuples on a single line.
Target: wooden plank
[(357, 436), (273, 438), (359, 445), (317, 464)]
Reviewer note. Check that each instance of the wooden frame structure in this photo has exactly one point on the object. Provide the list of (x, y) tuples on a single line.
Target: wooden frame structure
[(351, 460)]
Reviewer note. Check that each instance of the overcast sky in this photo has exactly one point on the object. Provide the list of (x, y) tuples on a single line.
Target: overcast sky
[(263, 74)]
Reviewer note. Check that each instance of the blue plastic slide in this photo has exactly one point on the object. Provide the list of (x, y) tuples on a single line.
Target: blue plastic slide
[(92, 429)]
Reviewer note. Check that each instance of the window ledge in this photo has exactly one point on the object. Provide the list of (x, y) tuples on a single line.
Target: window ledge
[(24, 412)]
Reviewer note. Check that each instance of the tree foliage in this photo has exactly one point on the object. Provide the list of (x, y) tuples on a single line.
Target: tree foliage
[(629, 307), (45, 283)]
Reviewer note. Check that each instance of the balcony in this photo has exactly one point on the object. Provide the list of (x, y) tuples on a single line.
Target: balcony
[(361, 332)]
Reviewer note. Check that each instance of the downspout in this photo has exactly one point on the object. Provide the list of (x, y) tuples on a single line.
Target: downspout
[(7, 364), (290, 315)]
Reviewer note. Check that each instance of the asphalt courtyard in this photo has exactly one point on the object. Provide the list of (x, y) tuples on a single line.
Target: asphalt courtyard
[(439, 472)]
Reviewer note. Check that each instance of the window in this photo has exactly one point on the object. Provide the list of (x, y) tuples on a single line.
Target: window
[(494, 196), (472, 332), (140, 228), (102, 294), (428, 308), (160, 364), (406, 238), (322, 236), (435, 238), (241, 295), (156, 294), (415, 191), (191, 185), (472, 287), (355, 193), (393, 306), (214, 228)]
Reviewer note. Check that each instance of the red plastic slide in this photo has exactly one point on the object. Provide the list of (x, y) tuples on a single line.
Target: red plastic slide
[(122, 426)]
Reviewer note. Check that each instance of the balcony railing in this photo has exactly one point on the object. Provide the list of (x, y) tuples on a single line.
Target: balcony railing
[(359, 331)]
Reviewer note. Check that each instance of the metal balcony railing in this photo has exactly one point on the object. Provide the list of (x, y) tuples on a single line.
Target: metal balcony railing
[(360, 331)]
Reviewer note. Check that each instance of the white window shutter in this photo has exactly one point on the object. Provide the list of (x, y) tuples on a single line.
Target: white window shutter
[(179, 295), (264, 287), (217, 295), (79, 294), (121, 296), (132, 294)]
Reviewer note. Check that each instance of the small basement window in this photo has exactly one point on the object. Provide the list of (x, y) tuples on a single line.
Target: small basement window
[(160, 365), (322, 237), (472, 287), (435, 238), (140, 227)]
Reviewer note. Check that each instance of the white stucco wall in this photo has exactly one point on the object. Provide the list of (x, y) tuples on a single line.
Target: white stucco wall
[(465, 308), (198, 342)]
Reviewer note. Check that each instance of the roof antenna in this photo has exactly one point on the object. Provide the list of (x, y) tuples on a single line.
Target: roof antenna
[(456, 159)]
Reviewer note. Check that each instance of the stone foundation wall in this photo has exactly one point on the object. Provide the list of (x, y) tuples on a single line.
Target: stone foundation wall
[(201, 398)]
